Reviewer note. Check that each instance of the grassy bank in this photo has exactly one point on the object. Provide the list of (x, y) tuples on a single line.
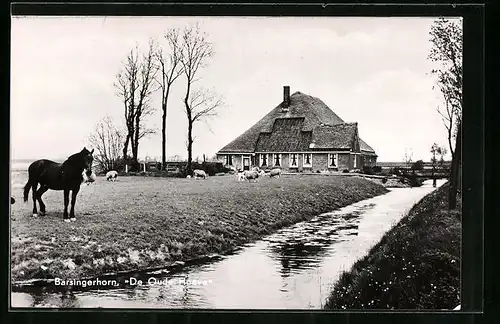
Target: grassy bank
[(416, 265), (143, 222)]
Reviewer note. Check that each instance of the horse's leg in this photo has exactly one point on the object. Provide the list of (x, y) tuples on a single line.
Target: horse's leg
[(66, 202), (33, 194), (74, 192), (39, 194)]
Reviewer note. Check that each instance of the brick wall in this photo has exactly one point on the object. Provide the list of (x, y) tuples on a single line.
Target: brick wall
[(368, 160), (344, 161), (285, 163), (319, 161)]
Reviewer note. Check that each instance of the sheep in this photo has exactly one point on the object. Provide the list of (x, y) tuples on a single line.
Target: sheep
[(240, 176), (199, 174), (275, 173), (251, 175), (111, 175), (188, 177)]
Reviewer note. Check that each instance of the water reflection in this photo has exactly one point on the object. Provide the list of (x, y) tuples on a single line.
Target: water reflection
[(303, 246), (64, 299), (295, 256)]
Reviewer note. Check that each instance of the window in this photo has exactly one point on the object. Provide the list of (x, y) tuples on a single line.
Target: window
[(277, 159), (355, 165), (332, 160), (307, 160), (229, 160), (263, 160), (293, 160)]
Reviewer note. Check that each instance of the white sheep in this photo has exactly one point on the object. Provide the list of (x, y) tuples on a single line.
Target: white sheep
[(111, 175)]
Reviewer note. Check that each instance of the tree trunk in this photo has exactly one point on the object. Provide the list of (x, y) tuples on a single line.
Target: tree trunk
[(125, 147), (190, 129), (190, 147), (135, 146), (452, 151), (163, 138), (433, 175), (455, 169), (164, 133)]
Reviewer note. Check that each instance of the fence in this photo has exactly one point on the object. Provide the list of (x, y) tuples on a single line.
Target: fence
[(179, 167)]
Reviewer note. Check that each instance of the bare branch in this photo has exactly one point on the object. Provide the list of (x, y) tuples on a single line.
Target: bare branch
[(204, 103), (446, 38), (135, 85), (106, 139)]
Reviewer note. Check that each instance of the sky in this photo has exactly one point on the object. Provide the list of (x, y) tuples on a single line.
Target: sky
[(370, 70)]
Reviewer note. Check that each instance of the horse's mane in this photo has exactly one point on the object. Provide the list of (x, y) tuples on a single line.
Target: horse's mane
[(73, 158)]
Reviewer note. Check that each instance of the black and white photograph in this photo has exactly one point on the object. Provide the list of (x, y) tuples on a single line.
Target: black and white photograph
[(212, 162)]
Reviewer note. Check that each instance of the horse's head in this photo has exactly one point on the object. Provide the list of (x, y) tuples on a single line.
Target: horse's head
[(88, 160)]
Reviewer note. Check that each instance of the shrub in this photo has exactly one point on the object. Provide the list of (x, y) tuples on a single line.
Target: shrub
[(345, 171), (418, 165), (367, 170), (384, 180), (377, 169), (211, 168), (414, 180), (120, 163), (395, 171)]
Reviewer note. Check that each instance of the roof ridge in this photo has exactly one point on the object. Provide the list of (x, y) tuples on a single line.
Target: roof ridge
[(339, 124)]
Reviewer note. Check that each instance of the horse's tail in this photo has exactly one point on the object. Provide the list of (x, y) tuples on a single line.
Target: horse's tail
[(29, 184), (27, 188)]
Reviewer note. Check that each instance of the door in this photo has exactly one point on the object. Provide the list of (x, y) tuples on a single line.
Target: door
[(246, 163)]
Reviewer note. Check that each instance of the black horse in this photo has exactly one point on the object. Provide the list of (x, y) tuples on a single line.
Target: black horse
[(66, 176)]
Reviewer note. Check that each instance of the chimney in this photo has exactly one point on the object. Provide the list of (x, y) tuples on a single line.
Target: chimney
[(286, 97)]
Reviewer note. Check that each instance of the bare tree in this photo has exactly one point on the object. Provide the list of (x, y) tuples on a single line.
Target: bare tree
[(446, 52), (407, 158), (169, 70), (107, 141), (135, 85), (449, 116), (200, 103)]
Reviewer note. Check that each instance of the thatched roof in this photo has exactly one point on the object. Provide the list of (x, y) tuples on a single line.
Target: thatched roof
[(286, 136), (365, 148), (339, 136), (313, 110), (289, 130)]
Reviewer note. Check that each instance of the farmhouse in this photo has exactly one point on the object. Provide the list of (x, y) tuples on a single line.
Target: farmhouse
[(302, 134)]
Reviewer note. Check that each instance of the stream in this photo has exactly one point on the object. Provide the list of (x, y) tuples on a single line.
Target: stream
[(294, 268)]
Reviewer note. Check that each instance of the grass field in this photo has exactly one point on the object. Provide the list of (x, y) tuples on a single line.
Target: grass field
[(416, 265), (143, 222)]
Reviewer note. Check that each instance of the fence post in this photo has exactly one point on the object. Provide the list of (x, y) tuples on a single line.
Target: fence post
[(126, 168)]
